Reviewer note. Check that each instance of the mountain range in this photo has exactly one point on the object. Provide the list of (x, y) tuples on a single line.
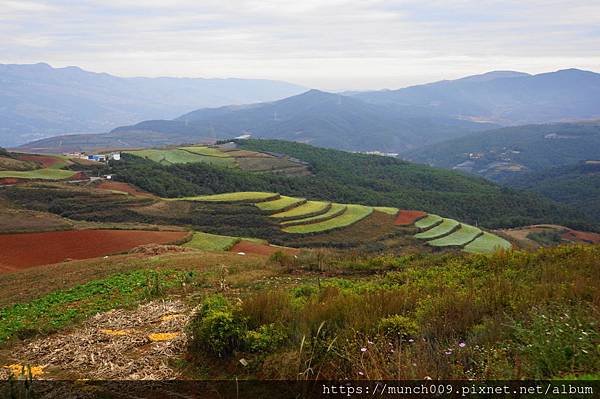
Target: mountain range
[(504, 97), (396, 121), (38, 100)]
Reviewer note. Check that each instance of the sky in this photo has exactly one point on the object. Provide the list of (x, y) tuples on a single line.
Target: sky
[(324, 44)]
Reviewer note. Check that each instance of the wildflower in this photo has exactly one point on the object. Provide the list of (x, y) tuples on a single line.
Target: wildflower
[(370, 342), (448, 352), (584, 351), (363, 349), (462, 344), (411, 340), (361, 373)]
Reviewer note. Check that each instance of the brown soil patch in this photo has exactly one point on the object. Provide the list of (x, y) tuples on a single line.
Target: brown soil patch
[(33, 249), (407, 218), (261, 249), (124, 187), (42, 160), (26, 221), (575, 235), (156, 249)]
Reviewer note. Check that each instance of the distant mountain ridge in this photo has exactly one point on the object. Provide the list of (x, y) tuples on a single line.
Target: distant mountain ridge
[(38, 100), (315, 117), (504, 97)]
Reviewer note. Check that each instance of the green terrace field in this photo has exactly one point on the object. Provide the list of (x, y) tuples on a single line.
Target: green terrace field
[(334, 211), (464, 235), (282, 204), (44, 174), (250, 161), (386, 209), (33, 166), (308, 209), (206, 151), (446, 227), (299, 217), (211, 242), (242, 196), (352, 214), (487, 243), (185, 155), (428, 222)]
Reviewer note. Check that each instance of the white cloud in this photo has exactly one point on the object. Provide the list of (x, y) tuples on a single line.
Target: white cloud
[(333, 45)]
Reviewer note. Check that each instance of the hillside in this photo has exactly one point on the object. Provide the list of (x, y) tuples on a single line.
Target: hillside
[(507, 98), (38, 101), (356, 178), (315, 117), (576, 185), (501, 153)]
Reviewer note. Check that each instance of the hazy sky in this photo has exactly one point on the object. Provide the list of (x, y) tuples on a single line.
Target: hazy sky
[(327, 44)]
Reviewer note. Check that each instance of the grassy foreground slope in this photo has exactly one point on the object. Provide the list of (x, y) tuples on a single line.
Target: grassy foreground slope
[(519, 315), (356, 178)]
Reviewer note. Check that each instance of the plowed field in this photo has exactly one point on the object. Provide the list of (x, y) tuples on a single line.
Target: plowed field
[(19, 251)]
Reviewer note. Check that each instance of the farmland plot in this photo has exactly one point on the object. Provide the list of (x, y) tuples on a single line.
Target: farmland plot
[(352, 214), (464, 235), (487, 243), (446, 227)]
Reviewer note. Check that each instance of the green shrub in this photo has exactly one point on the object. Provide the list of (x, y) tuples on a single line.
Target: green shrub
[(216, 328), (397, 326), (266, 338), (304, 291)]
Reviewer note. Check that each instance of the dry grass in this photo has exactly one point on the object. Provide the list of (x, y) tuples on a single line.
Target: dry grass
[(116, 345)]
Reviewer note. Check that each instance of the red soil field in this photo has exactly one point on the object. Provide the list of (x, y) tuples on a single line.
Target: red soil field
[(260, 249), (19, 251), (44, 161), (9, 180), (406, 218), (120, 186), (574, 235)]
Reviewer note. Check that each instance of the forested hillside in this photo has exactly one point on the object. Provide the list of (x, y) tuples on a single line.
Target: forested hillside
[(501, 153), (576, 185), (357, 178)]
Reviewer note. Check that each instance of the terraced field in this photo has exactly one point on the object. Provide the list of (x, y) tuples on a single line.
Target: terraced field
[(487, 243), (250, 161), (428, 222), (185, 155), (211, 242), (352, 214), (308, 209), (334, 211), (206, 151), (446, 227), (464, 235), (386, 209), (241, 196), (282, 204), (42, 174)]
